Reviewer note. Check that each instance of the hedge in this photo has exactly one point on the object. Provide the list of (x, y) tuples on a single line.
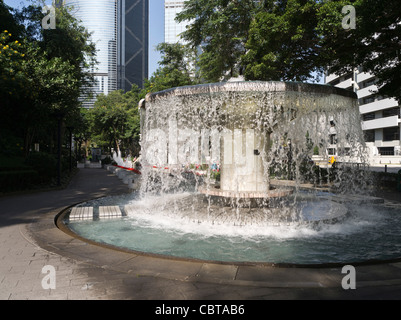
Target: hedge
[(18, 180)]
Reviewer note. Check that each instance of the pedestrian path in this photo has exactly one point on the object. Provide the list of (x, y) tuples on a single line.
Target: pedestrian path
[(22, 260)]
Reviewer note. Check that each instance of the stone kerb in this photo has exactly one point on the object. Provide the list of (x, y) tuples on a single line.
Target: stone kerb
[(129, 178)]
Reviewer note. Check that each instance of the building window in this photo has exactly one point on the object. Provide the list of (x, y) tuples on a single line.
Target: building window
[(392, 133), (386, 151), (368, 116), (335, 82), (367, 100), (331, 151), (344, 152), (391, 112), (367, 83), (369, 135)]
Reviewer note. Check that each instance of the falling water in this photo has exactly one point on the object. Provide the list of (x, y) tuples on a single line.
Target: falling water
[(261, 136)]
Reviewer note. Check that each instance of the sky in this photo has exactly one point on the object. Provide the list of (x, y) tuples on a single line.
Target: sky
[(156, 27)]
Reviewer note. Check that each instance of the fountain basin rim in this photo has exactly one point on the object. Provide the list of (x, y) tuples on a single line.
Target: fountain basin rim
[(60, 223), (248, 86)]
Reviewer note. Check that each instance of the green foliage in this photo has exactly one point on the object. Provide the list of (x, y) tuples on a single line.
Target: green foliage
[(18, 180), (41, 74), (283, 43), (12, 163), (373, 45), (114, 121), (164, 79), (295, 39), (215, 174), (8, 21), (220, 28), (12, 79), (177, 68), (44, 164), (41, 77)]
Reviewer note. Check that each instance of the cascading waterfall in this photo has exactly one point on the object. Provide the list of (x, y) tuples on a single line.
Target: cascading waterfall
[(257, 134)]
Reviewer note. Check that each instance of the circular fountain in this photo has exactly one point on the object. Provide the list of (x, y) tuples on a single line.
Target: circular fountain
[(246, 130), (229, 173)]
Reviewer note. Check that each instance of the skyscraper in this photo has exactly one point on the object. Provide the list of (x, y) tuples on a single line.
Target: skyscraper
[(100, 18), (133, 43), (172, 28), (120, 31)]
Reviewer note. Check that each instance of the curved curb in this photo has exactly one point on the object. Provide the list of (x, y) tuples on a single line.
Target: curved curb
[(49, 236)]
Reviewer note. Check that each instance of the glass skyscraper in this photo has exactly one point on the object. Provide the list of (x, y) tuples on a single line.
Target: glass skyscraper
[(120, 31), (100, 18), (133, 43)]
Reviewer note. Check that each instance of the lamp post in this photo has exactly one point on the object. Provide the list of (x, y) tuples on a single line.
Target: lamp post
[(59, 116), (70, 129), (77, 148)]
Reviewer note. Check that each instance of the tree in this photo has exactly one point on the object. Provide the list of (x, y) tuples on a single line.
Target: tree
[(42, 73), (114, 120), (283, 43), (8, 21), (132, 99), (262, 40), (295, 39), (220, 28), (71, 42), (177, 68), (374, 45)]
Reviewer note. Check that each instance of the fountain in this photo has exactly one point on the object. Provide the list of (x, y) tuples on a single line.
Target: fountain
[(228, 174), (250, 129)]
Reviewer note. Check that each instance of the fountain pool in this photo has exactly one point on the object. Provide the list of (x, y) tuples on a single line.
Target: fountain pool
[(369, 232), (223, 167)]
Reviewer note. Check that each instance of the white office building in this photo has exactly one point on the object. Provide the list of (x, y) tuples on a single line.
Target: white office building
[(380, 117), (172, 28)]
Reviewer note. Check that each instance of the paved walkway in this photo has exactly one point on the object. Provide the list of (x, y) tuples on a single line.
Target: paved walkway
[(29, 240)]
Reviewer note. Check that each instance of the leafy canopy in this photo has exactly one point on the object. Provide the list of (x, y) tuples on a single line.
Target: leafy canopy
[(295, 39), (114, 121), (41, 72), (177, 68)]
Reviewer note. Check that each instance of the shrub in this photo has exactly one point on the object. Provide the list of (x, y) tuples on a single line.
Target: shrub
[(18, 180), (107, 160), (12, 163), (44, 163)]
